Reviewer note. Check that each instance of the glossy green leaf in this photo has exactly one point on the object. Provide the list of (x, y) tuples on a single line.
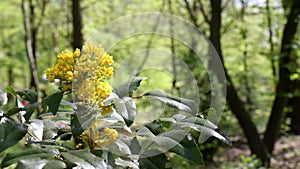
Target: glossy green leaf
[(11, 132), (84, 159), (30, 153), (76, 127), (135, 146), (36, 127), (50, 129), (124, 106), (34, 163), (185, 105), (126, 163), (189, 150), (30, 109), (127, 88), (53, 101), (28, 95), (204, 131), (11, 90), (154, 162), (55, 164)]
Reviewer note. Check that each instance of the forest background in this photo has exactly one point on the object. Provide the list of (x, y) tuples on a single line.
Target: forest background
[(257, 41)]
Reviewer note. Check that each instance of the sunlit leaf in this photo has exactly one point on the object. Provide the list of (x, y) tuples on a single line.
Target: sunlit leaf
[(126, 163), (28, 154), (185, 105), (84, 159), (127, 88)]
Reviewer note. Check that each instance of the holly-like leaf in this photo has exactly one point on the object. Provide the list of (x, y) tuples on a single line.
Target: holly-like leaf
[(135, 146), (53, 101), (127, 88), (28, 95), (124, 106), (126, 163), (204, 132), (27, 154), (84, 159), (11, 132), (55, 164), (185, 105), (11, 90), (154, 162), (50, 129), (30, 109), (76, 127)]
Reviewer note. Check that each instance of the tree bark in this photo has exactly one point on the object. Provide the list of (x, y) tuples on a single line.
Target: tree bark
[(30, 46), (283, 86), (77, 38), (294, 104)]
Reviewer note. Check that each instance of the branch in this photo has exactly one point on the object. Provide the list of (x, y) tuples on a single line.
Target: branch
[(204, 13), (191, 14)]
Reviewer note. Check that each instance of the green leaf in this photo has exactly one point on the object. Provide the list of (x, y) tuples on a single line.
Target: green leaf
[(190, 150), (126, 163), (120, 147), (10, 132), (127, 88), (3, 97), (36, 126), (34, 163), (30, 153), (11, 90), (55, 164), (185, 105), (84, 159), (200, 121), (144, 131), (124, 106), (53, 101), (204, 131), (50, 129), (28, 95), (76, 127), (135, 146), (30, 109), (155, 162)]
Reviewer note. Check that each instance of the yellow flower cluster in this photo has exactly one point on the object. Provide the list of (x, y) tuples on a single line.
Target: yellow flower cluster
[(89, 70), (91, 75), (63, 70), (96, 138), (87, 74)]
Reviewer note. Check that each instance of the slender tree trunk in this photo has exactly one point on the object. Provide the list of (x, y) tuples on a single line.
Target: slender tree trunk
[(271, 42), (77, 38), (27, 20), (283, 86)]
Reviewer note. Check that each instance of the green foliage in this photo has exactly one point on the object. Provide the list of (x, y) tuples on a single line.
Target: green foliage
[(48, 147)]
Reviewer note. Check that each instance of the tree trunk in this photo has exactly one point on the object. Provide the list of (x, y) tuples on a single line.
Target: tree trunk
[(234, 102), (283, 86), (294, 104), (77, 38)]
